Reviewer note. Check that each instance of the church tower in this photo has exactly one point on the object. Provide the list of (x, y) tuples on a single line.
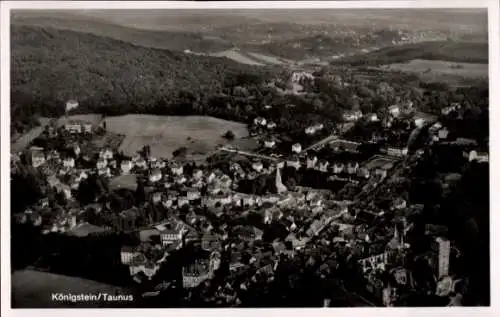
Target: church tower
[(279, 184)]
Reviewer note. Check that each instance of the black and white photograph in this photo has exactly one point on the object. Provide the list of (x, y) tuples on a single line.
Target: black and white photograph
[(248, 157)]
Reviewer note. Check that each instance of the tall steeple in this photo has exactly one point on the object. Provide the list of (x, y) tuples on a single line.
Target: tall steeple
[(279, 184), (396, 233)]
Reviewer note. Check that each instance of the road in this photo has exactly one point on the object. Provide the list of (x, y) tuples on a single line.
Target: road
[(321, 142), (270, 158), (260, 156)]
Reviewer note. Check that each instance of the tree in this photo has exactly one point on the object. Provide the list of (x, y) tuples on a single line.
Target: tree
[(229, 135), (180, 152), (140, 192)]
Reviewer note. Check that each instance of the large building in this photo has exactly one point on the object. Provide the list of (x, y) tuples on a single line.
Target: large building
[(441, 247)]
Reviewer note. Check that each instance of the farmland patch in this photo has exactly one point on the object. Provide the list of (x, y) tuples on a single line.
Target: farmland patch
[(164, 134)]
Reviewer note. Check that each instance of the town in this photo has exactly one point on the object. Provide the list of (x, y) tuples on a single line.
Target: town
[(227, 231), (249, 158)]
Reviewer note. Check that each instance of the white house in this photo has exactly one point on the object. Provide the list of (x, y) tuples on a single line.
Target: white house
[(271, 125), (294, 162), (352, 168), (193, 194), (141, 163), (297, 76), (177, 169), (101, 163), (394, 151), (419, 122), (269, 143), (478, 156), (87, 127), (182, 200), (76, 149), (443, 133), (156, 197), (318, 126), (170, 236), (372, 117), (198, 174), (258, 166), (310, 130), (363, 172), (106, 154), (394, 111), (180, 179), (127, 254), (37, 158), (352, 115), (297, 148), (311, 162), (73, 127), (112, 163), (338, 168), (126, 166), (64, 189), (69, 162), (260, 121), (323, 166), (453, 107), (155, 175)]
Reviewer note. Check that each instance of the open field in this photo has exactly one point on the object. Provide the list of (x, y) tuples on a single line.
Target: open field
[(238, 57), (165, 134), (33, 289), (436, 68), (269, 59)]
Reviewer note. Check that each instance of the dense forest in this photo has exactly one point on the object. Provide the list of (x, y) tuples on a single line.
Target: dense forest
[(51, 66), (460, 52)]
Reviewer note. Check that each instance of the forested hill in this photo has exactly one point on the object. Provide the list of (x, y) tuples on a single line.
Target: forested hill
[(50, 66)]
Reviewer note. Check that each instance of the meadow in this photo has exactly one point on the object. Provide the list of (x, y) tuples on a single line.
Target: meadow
[(164, 134)]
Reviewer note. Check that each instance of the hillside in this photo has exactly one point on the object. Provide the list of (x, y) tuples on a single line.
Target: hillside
[(325, 45), (165, 39), (51, 66), (466, 52)]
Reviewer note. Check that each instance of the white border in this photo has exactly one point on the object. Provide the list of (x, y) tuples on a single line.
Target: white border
[(493, 13)]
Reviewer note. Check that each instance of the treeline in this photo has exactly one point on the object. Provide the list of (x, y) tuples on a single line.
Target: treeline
[(460, 52)]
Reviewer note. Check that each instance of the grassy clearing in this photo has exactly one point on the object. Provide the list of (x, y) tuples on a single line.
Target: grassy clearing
[(238, 57), (165, 134), (268, 59)]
